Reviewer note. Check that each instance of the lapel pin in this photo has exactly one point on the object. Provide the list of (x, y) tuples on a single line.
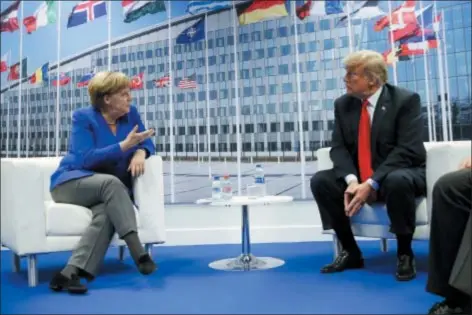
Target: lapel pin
[(383, 108)]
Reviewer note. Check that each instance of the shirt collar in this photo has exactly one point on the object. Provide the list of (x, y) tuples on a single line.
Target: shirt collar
[(374, 98)]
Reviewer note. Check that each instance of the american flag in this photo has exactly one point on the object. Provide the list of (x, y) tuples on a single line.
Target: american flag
[(162, 82), (188, 82)]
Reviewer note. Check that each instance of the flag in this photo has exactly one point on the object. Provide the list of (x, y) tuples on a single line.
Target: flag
[(367, 10), (137, 82), (40, 75), (319, 8), (84, 81), (162, 82), (135, 9), (14, 73), (63, 80), (259, 10), (188, 82), (391, 56), (426, 19), (401, 16), (46, 14), (86, 11), (402, 21), (199, 6), (193, 33), (3, 63), (9, 18), (418, 43)]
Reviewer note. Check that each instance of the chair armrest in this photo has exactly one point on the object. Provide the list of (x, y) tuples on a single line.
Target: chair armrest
[(23, 211), (149, 197), (442, 158), (323, 159)]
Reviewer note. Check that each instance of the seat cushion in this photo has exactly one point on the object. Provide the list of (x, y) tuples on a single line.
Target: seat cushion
[(69, 220), (377, 214)]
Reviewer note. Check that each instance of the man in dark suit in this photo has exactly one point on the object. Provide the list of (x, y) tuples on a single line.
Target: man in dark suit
[(452, 202), (378, 154)]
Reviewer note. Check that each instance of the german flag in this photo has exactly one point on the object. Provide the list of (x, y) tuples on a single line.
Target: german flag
[(259, 10)]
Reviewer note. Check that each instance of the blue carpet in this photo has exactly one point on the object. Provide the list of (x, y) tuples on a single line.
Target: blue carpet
[(185, 284)]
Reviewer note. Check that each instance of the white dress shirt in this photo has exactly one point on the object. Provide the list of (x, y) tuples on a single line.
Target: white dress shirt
[(373, 100)]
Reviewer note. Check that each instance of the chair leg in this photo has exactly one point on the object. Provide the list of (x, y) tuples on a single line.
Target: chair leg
[(121, 252), (337, 246), (32, 271), (16, 262), (383, 245), (148, 248)]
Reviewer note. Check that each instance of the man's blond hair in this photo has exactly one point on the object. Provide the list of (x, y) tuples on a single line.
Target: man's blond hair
[(105, 83), (371, 61)]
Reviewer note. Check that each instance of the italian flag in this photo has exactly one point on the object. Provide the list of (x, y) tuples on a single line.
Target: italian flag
[(46, 14), (134, 9)]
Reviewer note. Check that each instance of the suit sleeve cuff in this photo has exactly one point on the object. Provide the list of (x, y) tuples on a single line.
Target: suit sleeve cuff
[(373, 184), (351, 177)]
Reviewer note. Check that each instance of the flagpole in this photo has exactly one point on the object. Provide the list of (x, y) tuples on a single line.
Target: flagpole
[(441, 79), (109, 33), (48, 140), (446, 66), (27, 121), (349, 25), (207, 96), (18, 140), (8, 108), (171, 108), (238, 109), (8, 121), (301, 132), (392, 44), (58, 92), (145, 105), (197, 127), (428, 100), (70, 104)]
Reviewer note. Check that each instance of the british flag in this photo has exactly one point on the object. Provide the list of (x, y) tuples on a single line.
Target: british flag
[(162, 82), (86, 11)]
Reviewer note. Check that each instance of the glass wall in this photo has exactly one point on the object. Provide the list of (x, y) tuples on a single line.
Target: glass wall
[(205, 117)]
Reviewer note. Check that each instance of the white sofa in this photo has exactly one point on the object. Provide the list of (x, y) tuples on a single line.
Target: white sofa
[(33, 224), (373, 222)]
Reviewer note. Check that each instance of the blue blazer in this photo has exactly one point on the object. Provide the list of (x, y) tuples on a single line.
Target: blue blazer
[(93, 148)]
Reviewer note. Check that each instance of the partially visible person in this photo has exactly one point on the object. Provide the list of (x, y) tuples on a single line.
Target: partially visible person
[(451, 208), (378, 154), (108, 147)]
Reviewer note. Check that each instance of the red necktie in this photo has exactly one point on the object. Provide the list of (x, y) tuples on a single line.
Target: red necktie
[(363, 143)]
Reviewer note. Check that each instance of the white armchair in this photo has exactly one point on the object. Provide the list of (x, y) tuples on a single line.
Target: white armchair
[(32, 223), (373, 222)]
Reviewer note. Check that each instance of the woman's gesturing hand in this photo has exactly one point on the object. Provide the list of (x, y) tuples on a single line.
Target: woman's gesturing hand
[(134, 138)]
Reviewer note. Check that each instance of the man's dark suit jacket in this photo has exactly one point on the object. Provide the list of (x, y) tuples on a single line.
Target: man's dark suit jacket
[(396, 133)]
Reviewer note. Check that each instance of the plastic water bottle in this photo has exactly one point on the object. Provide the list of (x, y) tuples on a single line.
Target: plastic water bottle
[(259, 181), (227, 189), (216, 189)]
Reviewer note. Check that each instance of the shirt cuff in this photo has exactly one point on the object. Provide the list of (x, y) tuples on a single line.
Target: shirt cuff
[(351, 177), (373, 184)]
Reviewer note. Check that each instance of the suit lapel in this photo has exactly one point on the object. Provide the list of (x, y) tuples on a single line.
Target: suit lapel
[(381, 109), (356, 116)]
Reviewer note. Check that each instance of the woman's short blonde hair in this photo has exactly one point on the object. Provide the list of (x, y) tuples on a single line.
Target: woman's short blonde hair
[(372, 62), (106, 83)]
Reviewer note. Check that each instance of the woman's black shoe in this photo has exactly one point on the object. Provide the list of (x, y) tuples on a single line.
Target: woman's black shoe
[(146, 265), (72, 285)]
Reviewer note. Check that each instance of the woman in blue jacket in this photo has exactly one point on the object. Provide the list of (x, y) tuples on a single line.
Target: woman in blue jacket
[(108, 147)]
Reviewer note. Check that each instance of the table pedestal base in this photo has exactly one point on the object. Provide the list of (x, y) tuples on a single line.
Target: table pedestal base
[(246, 263)]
